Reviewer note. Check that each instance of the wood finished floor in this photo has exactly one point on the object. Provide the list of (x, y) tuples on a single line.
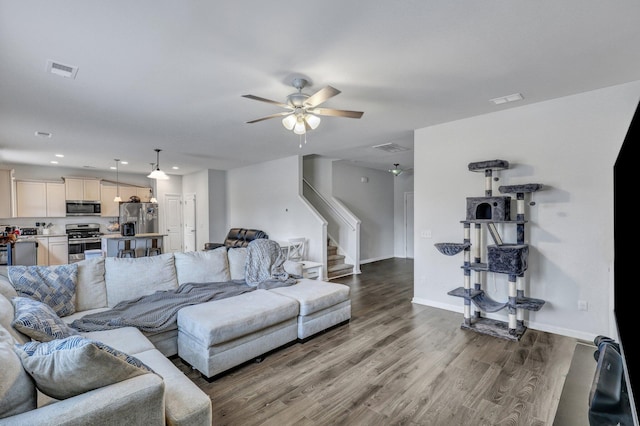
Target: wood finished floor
[(396, 363)]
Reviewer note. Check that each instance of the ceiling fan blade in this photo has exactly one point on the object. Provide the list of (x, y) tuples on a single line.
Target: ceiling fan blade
[(258, 98), (321, 96), (280, 114), (336, 112)]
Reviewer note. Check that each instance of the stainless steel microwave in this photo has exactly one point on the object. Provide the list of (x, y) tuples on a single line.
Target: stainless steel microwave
[(83, 208)]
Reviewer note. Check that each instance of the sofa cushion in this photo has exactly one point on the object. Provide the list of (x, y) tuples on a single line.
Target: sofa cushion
[(53, 285), (6, 289), (209, 266), (38, 321), (91, 289), (17, 391), (129, 278), (6, 318), (237, 259), (69, 367)]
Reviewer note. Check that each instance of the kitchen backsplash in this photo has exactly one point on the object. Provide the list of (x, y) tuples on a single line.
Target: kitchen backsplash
[(58, 224)]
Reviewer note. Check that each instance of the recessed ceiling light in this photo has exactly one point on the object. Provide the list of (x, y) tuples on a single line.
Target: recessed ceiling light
[(53, 162), (112, 167), (43, 134), (506, 99), (175, 168), (60, 155), (124, 162)]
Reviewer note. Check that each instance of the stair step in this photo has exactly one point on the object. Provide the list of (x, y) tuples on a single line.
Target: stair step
[(335, 259), (331, 250), (339, 270)]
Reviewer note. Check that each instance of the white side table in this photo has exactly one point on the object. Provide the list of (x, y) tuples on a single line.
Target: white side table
[(311, 270)]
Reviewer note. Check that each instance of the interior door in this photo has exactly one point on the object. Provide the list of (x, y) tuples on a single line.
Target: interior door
[(190, 222), (173, 223)]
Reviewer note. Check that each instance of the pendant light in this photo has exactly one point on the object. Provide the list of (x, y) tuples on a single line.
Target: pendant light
[(157, 173), (117, 198), (152, 199)]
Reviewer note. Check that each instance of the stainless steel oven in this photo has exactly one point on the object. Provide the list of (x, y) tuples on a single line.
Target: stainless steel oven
[(83, 237)]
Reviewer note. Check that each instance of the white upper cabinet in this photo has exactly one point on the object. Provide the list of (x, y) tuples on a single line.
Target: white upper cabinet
[(79, 189), (40, 199)]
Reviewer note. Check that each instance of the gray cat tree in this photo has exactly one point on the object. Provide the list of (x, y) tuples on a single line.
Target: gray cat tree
[(483, 213)]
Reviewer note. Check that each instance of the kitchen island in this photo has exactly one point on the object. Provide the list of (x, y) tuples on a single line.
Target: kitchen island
[(111, 244)]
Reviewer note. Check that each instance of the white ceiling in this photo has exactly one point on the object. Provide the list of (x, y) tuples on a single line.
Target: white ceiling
[(170, 74)]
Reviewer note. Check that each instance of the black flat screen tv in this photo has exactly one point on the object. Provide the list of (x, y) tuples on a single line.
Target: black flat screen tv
[(626, 185)]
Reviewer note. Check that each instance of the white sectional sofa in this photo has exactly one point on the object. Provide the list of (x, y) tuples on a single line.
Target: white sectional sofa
[(212, 337)]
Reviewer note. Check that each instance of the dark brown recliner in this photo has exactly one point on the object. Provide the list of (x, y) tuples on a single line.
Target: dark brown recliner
[(238, 237)]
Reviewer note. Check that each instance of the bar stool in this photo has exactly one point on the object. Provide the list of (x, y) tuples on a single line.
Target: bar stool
[(126, 248), (153, 247)]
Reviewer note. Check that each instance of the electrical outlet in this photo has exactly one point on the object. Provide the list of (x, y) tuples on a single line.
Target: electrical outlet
[(583, 305)]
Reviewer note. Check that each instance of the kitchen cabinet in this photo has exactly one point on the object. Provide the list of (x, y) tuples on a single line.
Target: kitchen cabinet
[(56, 206), (40, 199), (108, 207), (127, 192), (52, 250), (108, 193), (7, 194), (79, 189), (58, 250)]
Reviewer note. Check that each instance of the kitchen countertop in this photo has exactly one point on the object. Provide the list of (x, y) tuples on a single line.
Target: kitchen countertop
[(147, 235)]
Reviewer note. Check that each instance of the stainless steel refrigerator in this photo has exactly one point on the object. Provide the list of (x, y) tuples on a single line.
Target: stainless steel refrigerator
[(143, 215)]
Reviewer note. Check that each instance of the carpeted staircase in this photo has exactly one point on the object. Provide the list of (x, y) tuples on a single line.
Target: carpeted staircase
[(335, 263)]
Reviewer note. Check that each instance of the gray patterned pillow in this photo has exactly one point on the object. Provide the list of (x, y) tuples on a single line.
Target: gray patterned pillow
[(53, 285), (75, 365), (38, 321)]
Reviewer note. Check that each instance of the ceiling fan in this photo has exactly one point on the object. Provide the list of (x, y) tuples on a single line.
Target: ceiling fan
[(302, 109)]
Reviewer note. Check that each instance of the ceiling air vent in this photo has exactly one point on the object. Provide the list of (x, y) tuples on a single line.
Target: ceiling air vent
[(66, 71), (391, 147)]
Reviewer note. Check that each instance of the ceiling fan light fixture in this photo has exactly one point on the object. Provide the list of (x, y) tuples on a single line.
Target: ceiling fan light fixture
[(396, 171), (300, 128), (312, 120), (289, 121)]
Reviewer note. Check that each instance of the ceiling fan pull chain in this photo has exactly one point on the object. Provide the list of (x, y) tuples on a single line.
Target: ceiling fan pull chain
[(300, 140)]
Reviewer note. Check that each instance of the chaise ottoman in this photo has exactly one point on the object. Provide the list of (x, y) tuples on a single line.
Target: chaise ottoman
[(322, 305), (218, 335)]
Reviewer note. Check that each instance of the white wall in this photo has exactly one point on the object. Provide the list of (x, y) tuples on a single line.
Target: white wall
[(266, 196), (568, 144), (372, 202), (218, 223)]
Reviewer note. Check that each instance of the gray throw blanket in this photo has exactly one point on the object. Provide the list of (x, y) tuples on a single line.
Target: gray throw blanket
[(265, 265), (158, 311)]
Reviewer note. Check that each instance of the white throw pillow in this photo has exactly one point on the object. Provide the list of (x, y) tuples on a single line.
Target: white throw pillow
[(17, 391), (207, 266), (75, 365), (91, 289), (292, 268), (237, 260), (130, 278)]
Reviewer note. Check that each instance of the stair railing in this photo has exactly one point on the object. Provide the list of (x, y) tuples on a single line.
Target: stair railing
[(343, 226)]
